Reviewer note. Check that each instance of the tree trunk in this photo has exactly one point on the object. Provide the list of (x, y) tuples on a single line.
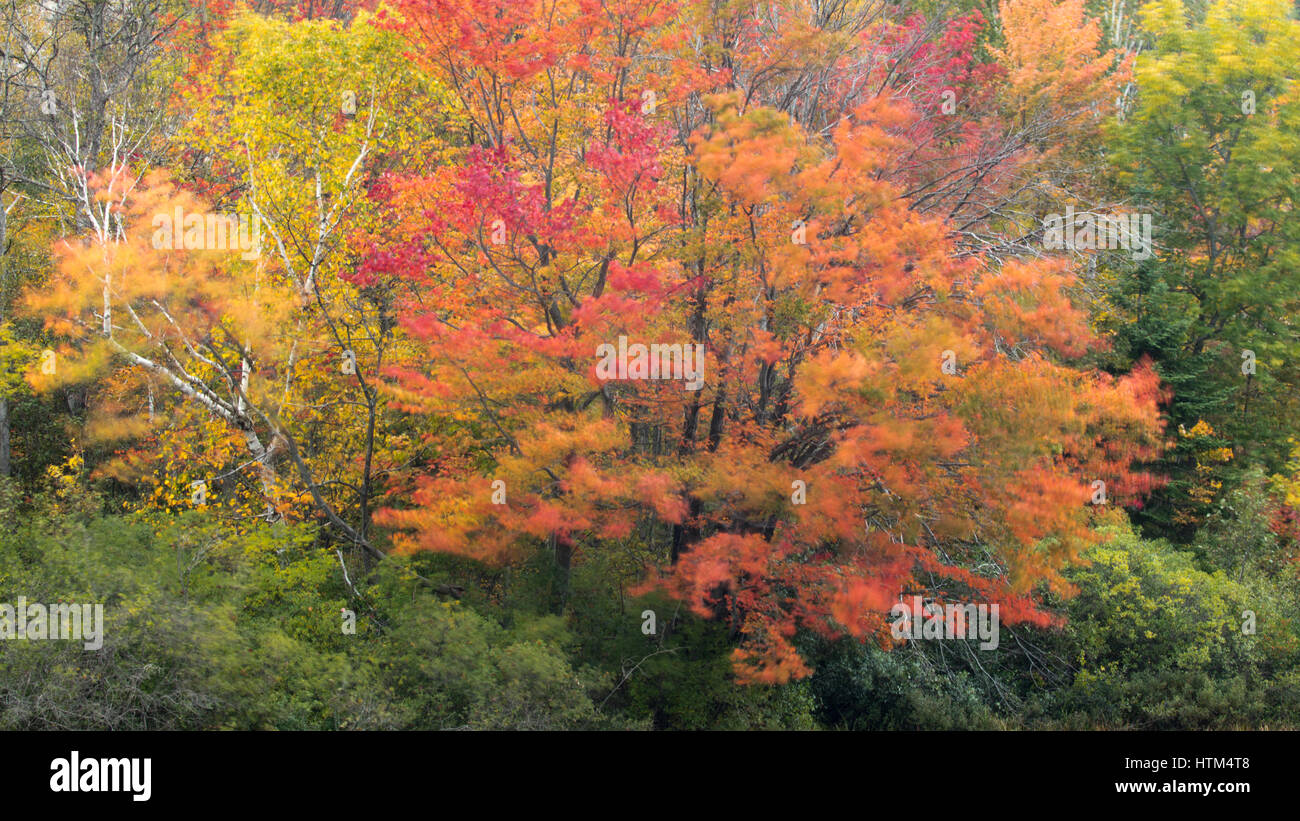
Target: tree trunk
[(563, 568)]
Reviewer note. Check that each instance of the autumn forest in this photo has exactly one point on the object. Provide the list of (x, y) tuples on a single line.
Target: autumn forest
[(649, 364)]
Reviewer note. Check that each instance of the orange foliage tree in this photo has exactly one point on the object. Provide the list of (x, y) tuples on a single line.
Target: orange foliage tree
[(873, 413)]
